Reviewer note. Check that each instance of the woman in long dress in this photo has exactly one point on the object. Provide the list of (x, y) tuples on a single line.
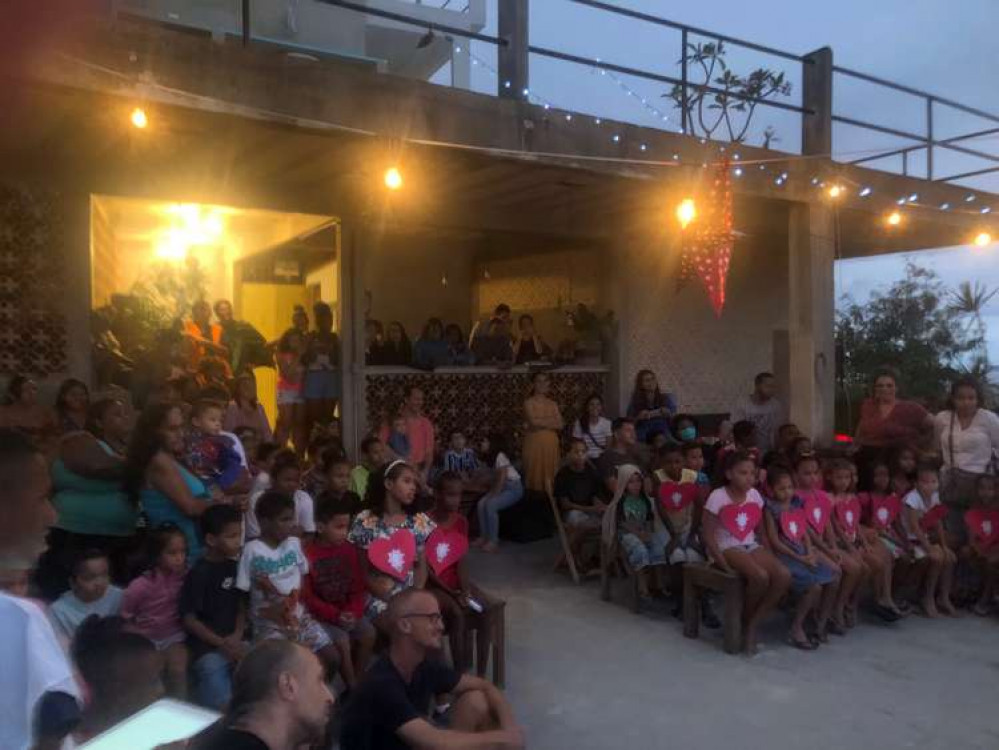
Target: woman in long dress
[(541, 442)]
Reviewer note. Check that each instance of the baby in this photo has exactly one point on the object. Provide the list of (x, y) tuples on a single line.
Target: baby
[(210, 454)]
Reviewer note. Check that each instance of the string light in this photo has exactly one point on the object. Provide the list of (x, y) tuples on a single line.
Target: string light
[(815, 180), (864, 192), (835, 191), (686, 212), (944, 206), (737, 171), (970, 198), (894, 219), (393, 178), (914, 197), (138, 118), (986, 210), (983, 239)]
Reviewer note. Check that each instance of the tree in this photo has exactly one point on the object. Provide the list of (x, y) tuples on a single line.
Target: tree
[(927, 332)]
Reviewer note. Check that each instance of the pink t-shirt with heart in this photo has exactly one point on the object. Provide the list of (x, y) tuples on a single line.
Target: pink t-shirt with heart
[(718, 500)]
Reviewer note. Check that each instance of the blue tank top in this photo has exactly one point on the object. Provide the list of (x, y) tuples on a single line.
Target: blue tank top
[(160, 509), (91, 506)]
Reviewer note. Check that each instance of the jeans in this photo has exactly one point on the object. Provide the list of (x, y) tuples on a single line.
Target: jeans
[(212, 674), (491, 505)]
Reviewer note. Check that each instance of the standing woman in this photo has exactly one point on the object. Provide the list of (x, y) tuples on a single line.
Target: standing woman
[(290, 401), (93, 512), (245, 410), (71, 405), (651, 409), (542, 453), (156, 479), (23, 413), (322, 368), (967, 436), (887, 423), (593, 428)]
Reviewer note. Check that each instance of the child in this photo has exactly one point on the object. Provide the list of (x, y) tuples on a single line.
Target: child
[(766, 579), (338, 484), (212, 609), (271, 570), (875, 559), (889, 535), (90, 593), (459, 458), (372, 456), (210, 454), (334, 590), (631, 521), (743, 441), (398, 439), (150, 604), (286, 476), (814, 582), (262, 466), (249, 438), (807, 478), (983, 556), (903, 471), (683, 547), (122, 671), (928, 548), (578, 491), (693, 459)]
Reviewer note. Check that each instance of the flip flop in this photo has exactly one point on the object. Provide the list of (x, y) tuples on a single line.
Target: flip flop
[(886, 613), (802, 645)]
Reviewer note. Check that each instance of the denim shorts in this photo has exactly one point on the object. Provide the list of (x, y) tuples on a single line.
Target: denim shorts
[(321, 385)]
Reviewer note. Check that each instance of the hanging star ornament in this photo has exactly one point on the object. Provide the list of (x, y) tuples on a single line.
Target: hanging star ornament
[(706, 249)]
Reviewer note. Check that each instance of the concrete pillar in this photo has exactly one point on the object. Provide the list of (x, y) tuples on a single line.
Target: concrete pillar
[(811, 367), (351, 256), (817, 92), (513, 56), (461, 65)]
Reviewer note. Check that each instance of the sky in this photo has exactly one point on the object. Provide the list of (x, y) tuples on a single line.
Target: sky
[(946, 48)]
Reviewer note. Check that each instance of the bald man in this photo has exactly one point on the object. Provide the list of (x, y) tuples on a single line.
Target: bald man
[(390, 710)]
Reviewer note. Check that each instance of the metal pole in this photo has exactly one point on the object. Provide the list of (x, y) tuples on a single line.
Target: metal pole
[(513, 54), (929, 138), (905, 163), (246, 22), (683, 78)]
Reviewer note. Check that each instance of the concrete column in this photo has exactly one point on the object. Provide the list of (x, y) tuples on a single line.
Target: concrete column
[(513, 56), (461, 65), (817, 92), (350, 257), (811, 310)]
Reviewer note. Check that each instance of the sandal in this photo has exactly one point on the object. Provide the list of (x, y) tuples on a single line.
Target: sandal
[(805, 645), (886, 613), (835, 628), (982, 610)]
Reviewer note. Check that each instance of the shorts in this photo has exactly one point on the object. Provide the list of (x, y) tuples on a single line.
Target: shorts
[(746, 547), (362, 627), (310, 633), (169, 641), (682, 555), (641, 554), (894, 547), (581, 520), (321, 385), (803, 577), (289, 396)]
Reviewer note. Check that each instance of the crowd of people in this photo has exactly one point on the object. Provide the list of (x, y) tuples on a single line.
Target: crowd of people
[(194, 552)]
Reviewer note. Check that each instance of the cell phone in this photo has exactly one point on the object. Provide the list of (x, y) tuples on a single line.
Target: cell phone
[(166, 720), (475, 605)]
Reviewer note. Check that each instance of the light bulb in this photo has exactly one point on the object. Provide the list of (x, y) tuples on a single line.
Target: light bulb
[(686, 212), (393, 178), (138, 118)]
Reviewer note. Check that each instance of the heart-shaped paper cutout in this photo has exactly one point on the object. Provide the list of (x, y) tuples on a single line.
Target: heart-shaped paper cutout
[(932, 517), (884, 510), (741, 519), (394, 555), (445, 547), (848, 514), (983, 526), (794, 524), (817, 509), (674, 497)]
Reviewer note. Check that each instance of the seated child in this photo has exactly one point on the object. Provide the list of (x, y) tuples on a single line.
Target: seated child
[(398, 439), (90, 593), (813, 581), (459, 457), (210, 454), (213, 610), (579, 492), (286, 477), (372, 456), (338, 484), (928, 547), (743, 441), (766, 579), (884, 527), (693, 459), (271, 570), (250, 440), (323, 451), (261, 467), (335, 590), (903, 471), (983, 554), (150, 605), (684, 547), (632, 522), (122, 671)]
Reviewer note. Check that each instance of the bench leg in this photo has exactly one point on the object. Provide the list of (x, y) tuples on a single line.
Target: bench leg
[(691, 608), (499, 648), (733, 617)]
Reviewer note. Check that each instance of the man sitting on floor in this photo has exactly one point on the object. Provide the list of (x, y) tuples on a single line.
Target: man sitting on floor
[(391, 707)]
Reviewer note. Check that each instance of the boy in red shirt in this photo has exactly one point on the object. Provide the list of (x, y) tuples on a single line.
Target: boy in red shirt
[(334, 589)]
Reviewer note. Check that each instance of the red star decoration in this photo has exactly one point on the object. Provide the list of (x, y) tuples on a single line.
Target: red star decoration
[(706, 250)]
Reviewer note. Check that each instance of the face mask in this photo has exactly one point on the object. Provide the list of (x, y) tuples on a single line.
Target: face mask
[(688, 433)]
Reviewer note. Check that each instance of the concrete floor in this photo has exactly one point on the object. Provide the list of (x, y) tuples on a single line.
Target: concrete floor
[(590, 675)]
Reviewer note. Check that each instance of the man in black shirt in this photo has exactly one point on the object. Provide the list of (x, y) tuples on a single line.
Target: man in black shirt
[(390, 709), (624, 449)]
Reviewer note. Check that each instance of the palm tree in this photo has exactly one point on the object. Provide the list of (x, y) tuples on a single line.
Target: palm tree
[(970, 300)]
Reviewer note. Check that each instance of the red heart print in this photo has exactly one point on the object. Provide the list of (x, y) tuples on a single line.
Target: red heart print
[(394, 555), (674, 497), (445, 547), (884, 510), (848, 513), (817, 509), (794, 524), (932, 517), (983, 525), (741, 519)]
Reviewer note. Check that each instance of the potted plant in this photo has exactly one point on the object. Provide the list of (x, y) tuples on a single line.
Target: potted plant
[(591, 333)]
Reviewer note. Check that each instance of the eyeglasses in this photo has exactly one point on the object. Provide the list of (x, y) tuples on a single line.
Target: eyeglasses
[(435, 617)]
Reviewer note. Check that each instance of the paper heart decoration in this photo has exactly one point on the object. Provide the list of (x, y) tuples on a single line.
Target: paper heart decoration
[(932, 517), (741, 519), (817, 509), (794, 524), (674, 497), (445, 547), (394, 555), (884, 510), (983, 525), (848, 513)]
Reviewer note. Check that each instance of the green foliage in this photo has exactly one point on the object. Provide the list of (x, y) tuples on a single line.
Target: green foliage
[(929, 333), (722, 97)]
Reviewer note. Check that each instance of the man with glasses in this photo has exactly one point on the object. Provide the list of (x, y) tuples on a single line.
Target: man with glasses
[(391, 707)]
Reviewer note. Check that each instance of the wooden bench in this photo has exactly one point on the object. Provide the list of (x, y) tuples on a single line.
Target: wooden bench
[(696, 579), (490, 642), (613, 562)]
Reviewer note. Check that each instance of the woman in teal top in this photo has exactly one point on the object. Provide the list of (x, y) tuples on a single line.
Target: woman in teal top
[(156, 478)]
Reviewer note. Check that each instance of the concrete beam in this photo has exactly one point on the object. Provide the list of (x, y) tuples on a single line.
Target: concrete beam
[(817, 93)]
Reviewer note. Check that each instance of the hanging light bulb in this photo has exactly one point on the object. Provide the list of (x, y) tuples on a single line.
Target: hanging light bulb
[(444, 280), (393, 178), (983, 239), (835, 191), (894, 219), (138, 118), (686, 212)]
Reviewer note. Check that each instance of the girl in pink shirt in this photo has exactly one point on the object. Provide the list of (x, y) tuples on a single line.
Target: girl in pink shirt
[(150, 605), (730, 538)]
